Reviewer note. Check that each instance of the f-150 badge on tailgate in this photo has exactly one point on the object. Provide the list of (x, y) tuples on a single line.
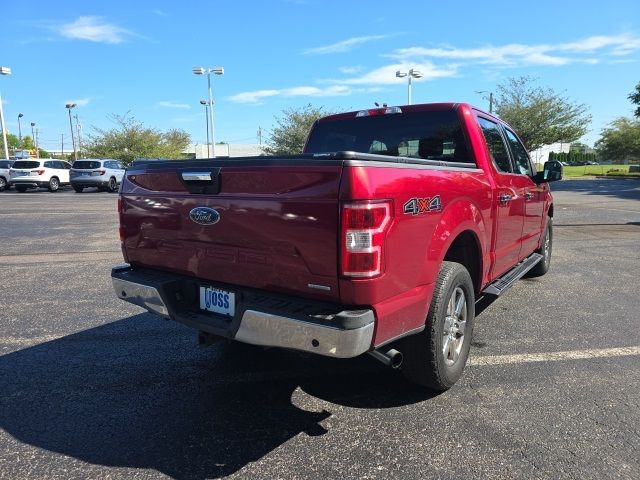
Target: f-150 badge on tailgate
[(204, 216), (416, 206)]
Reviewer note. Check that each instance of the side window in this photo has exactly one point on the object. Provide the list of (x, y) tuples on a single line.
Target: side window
[(50, 164), (107, 165), (496, 145), (523, 165), (380, 148)]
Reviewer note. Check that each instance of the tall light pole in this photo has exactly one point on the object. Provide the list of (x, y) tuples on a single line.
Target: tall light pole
[(35, 139), (20, 129), (206, 115), (4, 71), (69, 106), (208, 72), (484, 92), (412, 73)]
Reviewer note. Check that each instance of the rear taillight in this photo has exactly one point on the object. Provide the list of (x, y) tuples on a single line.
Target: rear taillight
[(120, 212), (362, 237), (97, 173), (39, 171)]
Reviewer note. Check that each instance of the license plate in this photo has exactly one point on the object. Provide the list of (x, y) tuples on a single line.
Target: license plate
[(218, 301), (84, 174)]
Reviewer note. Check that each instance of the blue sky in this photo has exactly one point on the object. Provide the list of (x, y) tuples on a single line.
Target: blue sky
[(136, 56)]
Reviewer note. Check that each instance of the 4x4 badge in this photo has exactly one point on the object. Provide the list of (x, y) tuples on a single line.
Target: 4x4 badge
[(416, 205)]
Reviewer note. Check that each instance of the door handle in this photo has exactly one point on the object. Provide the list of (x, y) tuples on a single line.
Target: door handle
[(504, 198), (196, 176), (528, 195)]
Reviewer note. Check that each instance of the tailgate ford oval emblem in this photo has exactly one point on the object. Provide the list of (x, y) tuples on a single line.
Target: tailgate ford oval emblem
[(204, 215)]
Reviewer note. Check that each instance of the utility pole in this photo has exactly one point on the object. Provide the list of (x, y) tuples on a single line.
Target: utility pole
[(260, 135), (37, 147), (62, 145), (79, 134)]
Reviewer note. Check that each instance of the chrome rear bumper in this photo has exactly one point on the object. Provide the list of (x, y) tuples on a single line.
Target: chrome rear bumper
[(341, 340)]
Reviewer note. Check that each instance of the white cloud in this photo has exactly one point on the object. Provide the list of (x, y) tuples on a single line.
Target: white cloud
[(94, 29), (517, 54), (386, 75), (344, 45), (80, 102), (172, 104), (257, 96), (350, 70), (253, 97), (160, 13)]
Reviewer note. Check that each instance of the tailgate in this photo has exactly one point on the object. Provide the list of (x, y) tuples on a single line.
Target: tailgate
[(263, 223)]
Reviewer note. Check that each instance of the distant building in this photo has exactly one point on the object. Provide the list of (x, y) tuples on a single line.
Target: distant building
[(541, 155), (226, 150)]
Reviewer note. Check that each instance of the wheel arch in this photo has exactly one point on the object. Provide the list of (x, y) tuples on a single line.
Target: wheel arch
[(465, 249), (461, 236)]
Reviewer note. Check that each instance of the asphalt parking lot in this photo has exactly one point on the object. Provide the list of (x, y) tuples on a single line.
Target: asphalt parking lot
[(91, 387)]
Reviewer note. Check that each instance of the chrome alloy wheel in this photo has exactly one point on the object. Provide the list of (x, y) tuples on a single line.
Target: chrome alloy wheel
[(454, 326), (547, 246)]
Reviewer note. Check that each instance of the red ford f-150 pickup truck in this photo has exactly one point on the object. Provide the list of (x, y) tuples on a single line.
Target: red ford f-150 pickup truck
[(379, 238)]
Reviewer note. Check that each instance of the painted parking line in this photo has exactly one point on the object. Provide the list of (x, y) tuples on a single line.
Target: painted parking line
[(476, 360)]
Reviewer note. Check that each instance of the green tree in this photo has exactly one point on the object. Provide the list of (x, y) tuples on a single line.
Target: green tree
[(27, 143), (130, 139), (290, 134), (539, 115), (635, 99), (578, 147), (620, 140), (12, 142)]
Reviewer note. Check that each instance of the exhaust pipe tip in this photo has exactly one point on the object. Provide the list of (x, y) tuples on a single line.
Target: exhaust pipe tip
[(391, 358)]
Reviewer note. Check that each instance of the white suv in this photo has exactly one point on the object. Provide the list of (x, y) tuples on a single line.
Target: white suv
[(104, 173), (35, 173)]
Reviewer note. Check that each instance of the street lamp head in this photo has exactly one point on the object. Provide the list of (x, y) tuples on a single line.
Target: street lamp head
[(415, 73), (218, 71), (70, 105), (400, 74), (5, 71), (20, 115), (198, 70)]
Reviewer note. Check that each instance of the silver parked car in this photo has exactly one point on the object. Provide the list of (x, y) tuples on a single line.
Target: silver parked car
[(5, 180), (104, 173)]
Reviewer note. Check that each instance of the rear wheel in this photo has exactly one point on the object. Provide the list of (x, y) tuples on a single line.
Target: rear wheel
[(54, 184), (21, 188), (3, 184), (78, 188), (545, 249), (113, 185), (435, 358)]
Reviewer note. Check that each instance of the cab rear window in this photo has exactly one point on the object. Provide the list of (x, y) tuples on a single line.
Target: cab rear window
[(428, 135), (26, 164), (86, 164)]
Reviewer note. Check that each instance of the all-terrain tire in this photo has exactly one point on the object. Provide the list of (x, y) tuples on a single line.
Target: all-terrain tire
[(435, 358)]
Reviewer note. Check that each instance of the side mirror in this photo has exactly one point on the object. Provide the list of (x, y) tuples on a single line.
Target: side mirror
[(552, 172)]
